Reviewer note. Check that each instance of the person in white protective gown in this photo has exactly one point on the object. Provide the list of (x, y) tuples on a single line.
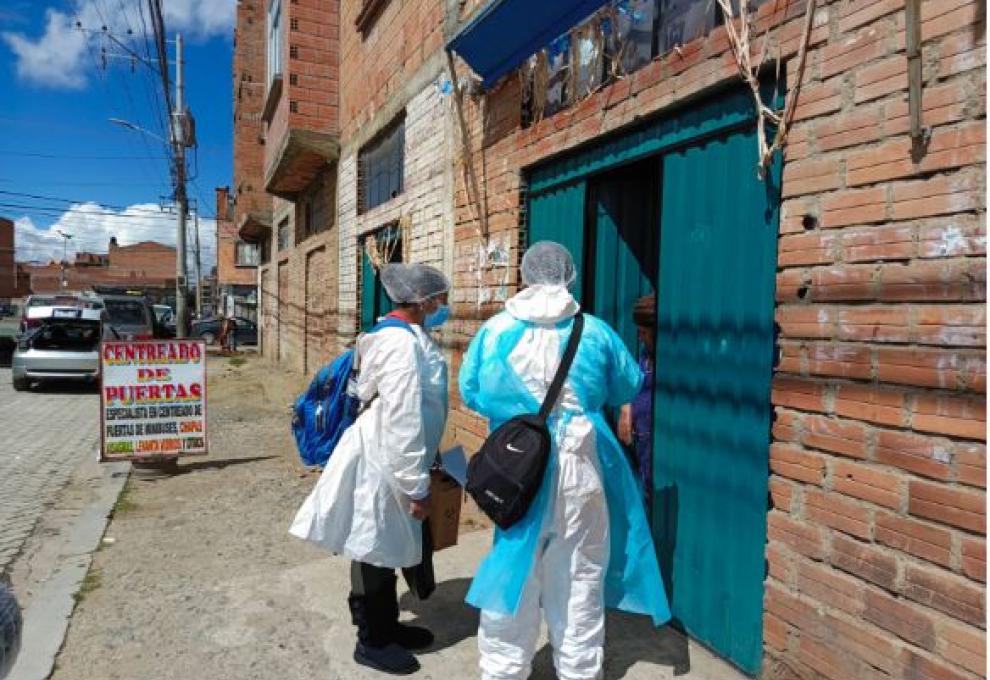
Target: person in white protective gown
[(584, 543), (374, 493)]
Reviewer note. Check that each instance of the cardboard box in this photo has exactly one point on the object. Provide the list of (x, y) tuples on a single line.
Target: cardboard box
[(446, 498)]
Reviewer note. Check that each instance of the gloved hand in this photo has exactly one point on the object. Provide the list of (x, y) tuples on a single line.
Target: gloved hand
[(420, 509)]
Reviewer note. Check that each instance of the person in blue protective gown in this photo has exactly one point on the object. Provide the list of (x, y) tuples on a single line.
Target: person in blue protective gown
[(585, 542)]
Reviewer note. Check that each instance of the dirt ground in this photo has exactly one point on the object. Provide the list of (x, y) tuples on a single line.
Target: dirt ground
[(197, 576)]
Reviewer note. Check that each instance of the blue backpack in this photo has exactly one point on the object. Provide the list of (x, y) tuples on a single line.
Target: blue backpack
[(326, 409)]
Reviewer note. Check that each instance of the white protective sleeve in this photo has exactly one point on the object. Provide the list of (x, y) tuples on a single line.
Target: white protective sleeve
[(401, 449)]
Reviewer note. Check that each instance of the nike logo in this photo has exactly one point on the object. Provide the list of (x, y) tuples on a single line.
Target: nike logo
[(513, 448), (495, 498)]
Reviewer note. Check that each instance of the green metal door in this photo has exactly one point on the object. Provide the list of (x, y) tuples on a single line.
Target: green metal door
[(558, 215), (375, 303), (712, 402)]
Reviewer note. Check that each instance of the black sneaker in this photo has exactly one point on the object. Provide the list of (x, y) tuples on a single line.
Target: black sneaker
[(411, 637), (389, 659)]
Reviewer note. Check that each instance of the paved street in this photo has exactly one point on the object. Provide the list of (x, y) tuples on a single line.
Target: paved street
[(46, 434)]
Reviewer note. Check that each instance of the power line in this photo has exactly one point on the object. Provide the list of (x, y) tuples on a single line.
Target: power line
[(59, 212), (72, 183), (60, 199), (31, 154)]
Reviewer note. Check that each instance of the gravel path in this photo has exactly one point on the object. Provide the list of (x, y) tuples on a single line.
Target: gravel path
[(201, 579)]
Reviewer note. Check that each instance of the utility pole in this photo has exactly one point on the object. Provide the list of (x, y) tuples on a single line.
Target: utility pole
[(199, 270), (181, 200)]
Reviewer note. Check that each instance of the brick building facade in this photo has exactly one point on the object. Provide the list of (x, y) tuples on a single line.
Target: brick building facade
[(820, 427), (13, 279), (237, 264), (147, 265), (285, 170)]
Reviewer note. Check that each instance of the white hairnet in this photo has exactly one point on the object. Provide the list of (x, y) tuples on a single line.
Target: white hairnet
[(411, 283), (548, 263)]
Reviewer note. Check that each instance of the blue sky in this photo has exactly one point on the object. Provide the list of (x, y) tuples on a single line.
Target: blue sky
[(99, 179)]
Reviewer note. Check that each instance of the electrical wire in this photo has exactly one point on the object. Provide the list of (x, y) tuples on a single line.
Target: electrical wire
[(128, 213), (30, 154), (44, 197)]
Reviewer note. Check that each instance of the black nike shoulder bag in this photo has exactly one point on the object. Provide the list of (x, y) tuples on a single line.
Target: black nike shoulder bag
[(505, 475)]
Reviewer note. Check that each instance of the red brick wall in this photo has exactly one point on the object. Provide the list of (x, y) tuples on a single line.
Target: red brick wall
[(147, 260), (379, 62), (249, 73), (310, 70), (8, 270), (876, 537)]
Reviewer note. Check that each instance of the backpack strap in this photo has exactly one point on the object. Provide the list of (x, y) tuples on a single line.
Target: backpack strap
[(392, 322), (387, 322), (565, 366)]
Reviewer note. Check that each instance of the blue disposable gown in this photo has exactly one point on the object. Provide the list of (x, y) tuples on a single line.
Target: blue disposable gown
[(604, 373)]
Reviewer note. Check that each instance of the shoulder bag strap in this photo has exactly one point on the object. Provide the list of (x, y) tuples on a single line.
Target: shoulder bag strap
[(565, 366)]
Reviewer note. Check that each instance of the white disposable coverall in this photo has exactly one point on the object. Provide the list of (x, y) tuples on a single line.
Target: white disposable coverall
[(573, 550), (360, 506)]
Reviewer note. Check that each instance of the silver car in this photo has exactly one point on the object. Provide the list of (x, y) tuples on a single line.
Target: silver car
[(131, 317), (62, 343)]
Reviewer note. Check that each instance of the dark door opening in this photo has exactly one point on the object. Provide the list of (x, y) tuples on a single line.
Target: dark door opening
[(621, 244)]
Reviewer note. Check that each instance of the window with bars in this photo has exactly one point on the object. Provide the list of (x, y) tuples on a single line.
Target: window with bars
[(284, 235), (380, 166), (274, 40), (248, 254)]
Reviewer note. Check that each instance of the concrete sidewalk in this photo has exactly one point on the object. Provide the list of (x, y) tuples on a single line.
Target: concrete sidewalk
[(201, 579)]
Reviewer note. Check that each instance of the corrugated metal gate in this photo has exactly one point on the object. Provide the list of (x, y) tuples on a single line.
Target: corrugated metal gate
[(715, 279)]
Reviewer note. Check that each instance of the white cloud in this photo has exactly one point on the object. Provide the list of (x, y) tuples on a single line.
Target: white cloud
[(55, 58), (63, 55), (92, 226), (200, 18)]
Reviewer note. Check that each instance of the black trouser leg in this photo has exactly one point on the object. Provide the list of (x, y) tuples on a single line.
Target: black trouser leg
[(374, 602)]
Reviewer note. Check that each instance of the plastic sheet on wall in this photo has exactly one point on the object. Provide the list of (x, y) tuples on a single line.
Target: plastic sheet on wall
[(557, 69), (682, 21), (631, 28), (587, 58)]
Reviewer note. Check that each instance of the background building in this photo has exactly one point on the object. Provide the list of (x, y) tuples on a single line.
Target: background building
[(147, 266), (13, 279), (237, 265)]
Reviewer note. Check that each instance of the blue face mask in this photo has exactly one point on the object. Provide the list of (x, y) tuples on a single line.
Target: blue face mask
[(437, 318)]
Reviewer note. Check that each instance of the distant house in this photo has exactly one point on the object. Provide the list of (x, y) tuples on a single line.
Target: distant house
[(13, 280)]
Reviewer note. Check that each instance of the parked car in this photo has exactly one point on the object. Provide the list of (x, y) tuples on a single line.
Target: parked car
[(85, 301), (132, 317), (61, 343), (208, 330)]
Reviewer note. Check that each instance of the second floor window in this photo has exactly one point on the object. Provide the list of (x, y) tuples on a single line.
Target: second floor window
[(274, 40), (284, 235), (380, 166), (248, 254)]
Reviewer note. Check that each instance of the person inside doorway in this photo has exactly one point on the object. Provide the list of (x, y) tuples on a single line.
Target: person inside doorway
[(636, 420), (373, 495), (584, 543)]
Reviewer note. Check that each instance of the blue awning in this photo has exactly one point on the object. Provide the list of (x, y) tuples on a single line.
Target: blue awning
[(507, 32)]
